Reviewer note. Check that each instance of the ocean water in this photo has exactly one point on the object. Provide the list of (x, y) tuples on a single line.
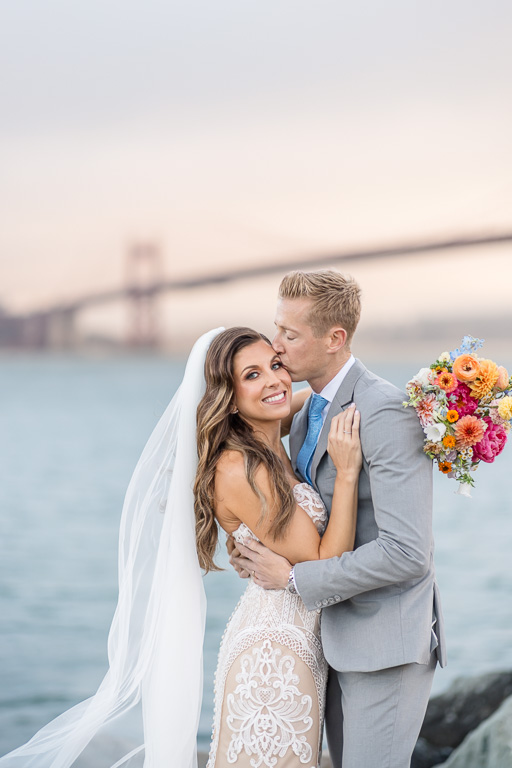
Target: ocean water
[(71, 431)]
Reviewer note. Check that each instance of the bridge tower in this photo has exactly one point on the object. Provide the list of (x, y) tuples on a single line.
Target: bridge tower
[(143, 278)]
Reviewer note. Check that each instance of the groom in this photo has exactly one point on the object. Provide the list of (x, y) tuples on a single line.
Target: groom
[(382, 629)]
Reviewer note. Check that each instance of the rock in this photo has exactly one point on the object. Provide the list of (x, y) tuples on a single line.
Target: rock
[(490, 746), (461, 709), (426, 755)]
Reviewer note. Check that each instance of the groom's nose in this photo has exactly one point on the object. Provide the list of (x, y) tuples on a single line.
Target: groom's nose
[(277, 344)]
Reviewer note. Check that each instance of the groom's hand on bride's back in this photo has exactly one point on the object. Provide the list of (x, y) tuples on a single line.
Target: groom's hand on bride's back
[(234, 555), (268, 569)]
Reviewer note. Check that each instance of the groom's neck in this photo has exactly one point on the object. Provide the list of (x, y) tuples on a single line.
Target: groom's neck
[(332, 368)]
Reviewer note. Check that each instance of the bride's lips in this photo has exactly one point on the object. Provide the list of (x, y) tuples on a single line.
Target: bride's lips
[(278, 399)]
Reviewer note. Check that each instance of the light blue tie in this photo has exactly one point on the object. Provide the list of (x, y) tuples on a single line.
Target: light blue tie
[(316, 406)]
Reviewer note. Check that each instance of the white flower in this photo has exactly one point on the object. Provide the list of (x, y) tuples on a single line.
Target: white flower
[(464, 489), (445, 357), (423, 376), (435, 432)]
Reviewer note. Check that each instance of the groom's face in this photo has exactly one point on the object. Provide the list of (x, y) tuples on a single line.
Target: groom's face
[(303, 354)]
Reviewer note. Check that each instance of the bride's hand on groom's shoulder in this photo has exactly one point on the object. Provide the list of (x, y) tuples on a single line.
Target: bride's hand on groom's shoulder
[(234, 555)]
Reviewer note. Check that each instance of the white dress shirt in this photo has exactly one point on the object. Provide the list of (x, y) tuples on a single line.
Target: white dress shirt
[(332, 387)]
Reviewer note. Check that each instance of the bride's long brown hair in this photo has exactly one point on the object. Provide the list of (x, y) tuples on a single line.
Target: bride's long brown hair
[(218, 430)]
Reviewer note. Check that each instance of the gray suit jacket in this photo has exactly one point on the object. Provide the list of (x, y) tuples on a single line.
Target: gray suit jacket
[(381, 605)]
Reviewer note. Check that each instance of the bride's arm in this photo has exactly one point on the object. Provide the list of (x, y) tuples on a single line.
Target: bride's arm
[(237, 502), (298, 400)]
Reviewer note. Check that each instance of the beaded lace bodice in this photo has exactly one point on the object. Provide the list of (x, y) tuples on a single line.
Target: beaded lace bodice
[(271, 638)]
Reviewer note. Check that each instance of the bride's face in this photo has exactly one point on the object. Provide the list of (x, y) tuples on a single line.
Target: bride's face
[(262, 387)]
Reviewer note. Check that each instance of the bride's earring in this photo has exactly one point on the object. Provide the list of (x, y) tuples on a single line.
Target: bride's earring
[(235, 410)]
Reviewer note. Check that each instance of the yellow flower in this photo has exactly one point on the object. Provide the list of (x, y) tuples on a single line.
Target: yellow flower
[(485, 380), (449, 441), (505, 408), (452, 416)]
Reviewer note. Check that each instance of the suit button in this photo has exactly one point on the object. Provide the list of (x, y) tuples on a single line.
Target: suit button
[(325, 602), (318, 603), (337, 597)]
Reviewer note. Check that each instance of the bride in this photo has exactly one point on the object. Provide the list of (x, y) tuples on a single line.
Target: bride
[(271, 675)]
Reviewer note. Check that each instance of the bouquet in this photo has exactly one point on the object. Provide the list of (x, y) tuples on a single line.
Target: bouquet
[(464, 404)]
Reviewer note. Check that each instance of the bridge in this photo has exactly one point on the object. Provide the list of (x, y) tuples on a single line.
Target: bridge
[(55, 327)]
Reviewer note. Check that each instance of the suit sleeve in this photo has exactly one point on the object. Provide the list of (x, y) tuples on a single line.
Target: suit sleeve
[(401, 487)]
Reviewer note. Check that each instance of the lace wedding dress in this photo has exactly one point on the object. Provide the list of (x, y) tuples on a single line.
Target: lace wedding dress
[(271, 674)]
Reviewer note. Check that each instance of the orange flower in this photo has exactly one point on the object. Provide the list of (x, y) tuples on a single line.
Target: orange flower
[(445, 467), (449, 441), (469, 431), (466, 368), (503, 379), (485, 380), (446, 381), (452, 416)]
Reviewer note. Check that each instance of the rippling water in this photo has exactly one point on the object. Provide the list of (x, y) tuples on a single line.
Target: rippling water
[(71, 432)]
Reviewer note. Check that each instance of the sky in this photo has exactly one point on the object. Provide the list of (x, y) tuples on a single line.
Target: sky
[(237, 133)]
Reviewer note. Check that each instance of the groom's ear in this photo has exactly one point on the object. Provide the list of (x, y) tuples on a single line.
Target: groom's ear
[(337, 339)]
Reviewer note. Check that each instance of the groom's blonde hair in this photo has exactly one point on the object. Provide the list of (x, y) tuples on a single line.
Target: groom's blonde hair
[(335, 299)]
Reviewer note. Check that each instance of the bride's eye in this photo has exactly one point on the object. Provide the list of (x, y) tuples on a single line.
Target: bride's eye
[(277, 364), (251, 375)]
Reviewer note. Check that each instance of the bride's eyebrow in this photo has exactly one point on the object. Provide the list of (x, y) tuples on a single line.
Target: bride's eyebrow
[(249, 366), (256, 365)]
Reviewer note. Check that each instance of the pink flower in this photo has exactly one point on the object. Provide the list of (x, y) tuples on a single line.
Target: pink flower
[(462, 400), (492, 443), (425, 410)]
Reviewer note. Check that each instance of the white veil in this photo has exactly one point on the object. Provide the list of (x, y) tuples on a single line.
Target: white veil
[(155, 642)]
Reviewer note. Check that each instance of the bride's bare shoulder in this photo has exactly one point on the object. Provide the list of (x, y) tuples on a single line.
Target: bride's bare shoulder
[(230, 467), (230, 477), (231, 472)]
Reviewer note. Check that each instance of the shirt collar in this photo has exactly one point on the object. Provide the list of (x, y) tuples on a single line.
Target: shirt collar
[(332, 387)]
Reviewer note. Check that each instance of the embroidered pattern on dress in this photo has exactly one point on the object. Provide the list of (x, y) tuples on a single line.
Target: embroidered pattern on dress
[(267, 712), (262, 621)]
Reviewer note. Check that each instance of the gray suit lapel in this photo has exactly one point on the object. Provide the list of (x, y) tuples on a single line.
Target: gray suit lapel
[(342, 399), (298, 432)]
